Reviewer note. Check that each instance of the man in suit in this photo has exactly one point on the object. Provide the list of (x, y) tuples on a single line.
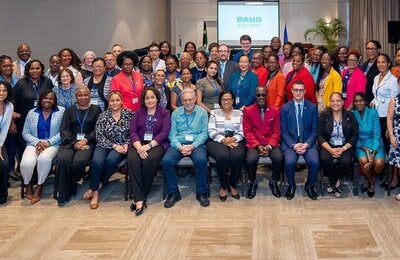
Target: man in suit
[(261, 129), (299, 118), (24, 55), (226, 67)]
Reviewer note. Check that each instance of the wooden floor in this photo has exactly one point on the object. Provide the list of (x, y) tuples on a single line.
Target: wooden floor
[(262, 228)]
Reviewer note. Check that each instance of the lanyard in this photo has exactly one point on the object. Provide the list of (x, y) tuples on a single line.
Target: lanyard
[(188, 123), (150, 123), (81, 123), (214, 84), (35, 88), (241, 78)]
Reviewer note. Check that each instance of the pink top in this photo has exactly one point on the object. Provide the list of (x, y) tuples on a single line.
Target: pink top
[(356, 83)]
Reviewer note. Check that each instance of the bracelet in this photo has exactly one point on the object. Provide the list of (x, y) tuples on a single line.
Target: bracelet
[(150, 145)]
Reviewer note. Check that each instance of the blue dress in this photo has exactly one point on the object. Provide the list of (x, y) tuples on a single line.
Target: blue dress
[(369, 133)]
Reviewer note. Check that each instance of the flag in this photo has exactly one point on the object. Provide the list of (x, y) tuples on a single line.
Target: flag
[(205, 40), (285, 37)]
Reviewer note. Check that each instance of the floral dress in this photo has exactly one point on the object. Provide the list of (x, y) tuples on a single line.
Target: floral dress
[(394, 153)]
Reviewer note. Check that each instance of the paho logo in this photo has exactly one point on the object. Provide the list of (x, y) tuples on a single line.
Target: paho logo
[(248, 21)]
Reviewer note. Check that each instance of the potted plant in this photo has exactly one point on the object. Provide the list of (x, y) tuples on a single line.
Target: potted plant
[(328, 31)]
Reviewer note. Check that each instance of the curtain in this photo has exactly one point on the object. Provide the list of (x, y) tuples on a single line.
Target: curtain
[(369, 21)]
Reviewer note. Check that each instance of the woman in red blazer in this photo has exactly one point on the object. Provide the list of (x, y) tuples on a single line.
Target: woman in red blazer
[(128, 82), (299, 72)]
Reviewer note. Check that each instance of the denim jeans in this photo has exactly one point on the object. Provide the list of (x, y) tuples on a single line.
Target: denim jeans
[(199, 158)]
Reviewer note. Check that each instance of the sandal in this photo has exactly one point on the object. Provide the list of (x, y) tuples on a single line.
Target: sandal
[(397, 197), (88, 194), (338, 192), (329, 188)]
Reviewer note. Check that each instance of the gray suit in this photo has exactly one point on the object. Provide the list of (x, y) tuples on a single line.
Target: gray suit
[(230, 68)]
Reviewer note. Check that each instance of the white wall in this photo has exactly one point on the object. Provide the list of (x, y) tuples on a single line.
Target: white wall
[(49, 25), (298, 15)]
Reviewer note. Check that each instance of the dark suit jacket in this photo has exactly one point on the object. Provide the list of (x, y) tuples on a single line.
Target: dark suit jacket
[(373, 71), (289, 124), (230, 68), (261, 132), (349, 125)]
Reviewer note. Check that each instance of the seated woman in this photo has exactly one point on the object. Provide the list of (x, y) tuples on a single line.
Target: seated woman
[(369, 149), (209, 87), (227, 145), (112, 136), (165, 92), (337, 135), (186, 76), (65, 89), (6, 114), (42, 135), (99, 84), (149, 131), (77, 144)]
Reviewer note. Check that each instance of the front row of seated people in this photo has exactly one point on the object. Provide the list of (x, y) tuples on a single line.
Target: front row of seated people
[(151, 137)]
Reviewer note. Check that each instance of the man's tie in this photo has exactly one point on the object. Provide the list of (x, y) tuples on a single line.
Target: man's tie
[(299, 123)]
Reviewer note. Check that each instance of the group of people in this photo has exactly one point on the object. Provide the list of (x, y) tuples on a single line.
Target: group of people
[(156, 109)]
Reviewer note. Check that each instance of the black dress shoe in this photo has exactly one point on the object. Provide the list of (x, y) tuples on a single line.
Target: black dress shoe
[(172, 199), (273, 185), (139, 211), (203, 199), (311, 192), (251, 193), (290, 192)]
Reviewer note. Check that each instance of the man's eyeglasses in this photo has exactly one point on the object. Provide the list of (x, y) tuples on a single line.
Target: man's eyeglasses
[(298, 89), (261, 95)]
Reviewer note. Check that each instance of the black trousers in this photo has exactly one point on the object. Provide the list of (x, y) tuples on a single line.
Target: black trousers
[(336, 170), (385, 141), (252, 157), (227, 159), (4, 167), (142, 172), (70, 169)]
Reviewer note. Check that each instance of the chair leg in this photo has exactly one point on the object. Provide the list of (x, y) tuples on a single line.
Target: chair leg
[(22, 189), (127, 182)]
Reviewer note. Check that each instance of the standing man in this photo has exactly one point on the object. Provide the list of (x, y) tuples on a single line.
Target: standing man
[(116, 49), (245, 43), (154, 53), (299, 119), (261, 129), (111, 64), (189, 132), (226, 67), (24, 55)]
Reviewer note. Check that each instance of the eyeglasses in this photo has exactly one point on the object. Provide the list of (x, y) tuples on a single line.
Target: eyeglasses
[(261, 95), (127, 65), (298, 89), (98, 67)]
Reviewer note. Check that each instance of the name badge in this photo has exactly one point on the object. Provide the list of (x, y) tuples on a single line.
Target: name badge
[(216, 105), (148, 136), (80, 136), (35, 103), (94, 102), (135, 100), (189, 138), (337, 141), (237, 100)]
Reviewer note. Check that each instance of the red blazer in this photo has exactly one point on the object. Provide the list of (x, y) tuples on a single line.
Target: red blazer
[(130, 98), (262, 74), (261, 132), (304, 75)]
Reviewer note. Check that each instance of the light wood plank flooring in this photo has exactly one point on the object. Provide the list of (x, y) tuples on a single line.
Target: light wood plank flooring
[(262, 228)]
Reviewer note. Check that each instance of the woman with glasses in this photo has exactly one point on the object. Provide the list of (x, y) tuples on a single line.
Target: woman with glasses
[(243, 84), (226, 143), (99, 84), (198, 71), (128, 82), (369, 67), (172, 75), (353, 79), (165, 92), (87, 60)]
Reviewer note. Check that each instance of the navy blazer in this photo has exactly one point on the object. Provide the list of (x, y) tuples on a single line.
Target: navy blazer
[(289, 124), (230, 68)]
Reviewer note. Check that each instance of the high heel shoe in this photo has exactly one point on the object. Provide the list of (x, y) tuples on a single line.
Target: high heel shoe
[(132, 206), (371, 189), (222, 197), (364, 187), (235, 196), (139, 211)]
